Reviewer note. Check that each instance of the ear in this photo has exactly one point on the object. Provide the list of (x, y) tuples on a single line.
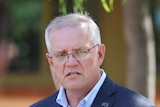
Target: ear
[(49, 59), (101, 52)]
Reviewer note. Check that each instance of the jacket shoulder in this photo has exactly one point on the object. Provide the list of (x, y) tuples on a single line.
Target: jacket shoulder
[(49, 101), (131, 97), (119, 96)]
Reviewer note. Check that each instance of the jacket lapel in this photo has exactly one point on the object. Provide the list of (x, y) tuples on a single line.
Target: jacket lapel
[(103, 98)]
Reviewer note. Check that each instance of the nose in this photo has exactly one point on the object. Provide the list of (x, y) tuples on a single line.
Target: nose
[(72, 61)]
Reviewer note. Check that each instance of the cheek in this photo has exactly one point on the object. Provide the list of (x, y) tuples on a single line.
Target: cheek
[(93, 61), (90, 65), (58, 72)]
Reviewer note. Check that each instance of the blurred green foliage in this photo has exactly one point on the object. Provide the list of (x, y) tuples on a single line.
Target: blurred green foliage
[(26, 25), (24, 16), (78, 5)]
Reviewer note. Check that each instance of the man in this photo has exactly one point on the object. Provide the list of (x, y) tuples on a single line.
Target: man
[(75, 54)]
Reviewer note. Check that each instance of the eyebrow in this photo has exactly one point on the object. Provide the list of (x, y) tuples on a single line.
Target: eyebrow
[(74, 49)]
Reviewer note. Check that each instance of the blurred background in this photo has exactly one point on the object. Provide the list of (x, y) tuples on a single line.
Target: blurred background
[(131, 33)]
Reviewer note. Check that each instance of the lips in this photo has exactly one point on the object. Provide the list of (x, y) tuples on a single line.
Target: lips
[(73, 74)]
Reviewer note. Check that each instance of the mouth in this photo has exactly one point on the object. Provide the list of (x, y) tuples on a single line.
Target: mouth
[(73, 74)]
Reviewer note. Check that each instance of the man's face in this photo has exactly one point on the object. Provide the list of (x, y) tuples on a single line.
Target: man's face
[(75, 74)]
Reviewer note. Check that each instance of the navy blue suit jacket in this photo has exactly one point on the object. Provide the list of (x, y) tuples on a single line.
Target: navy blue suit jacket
[(109, 95)]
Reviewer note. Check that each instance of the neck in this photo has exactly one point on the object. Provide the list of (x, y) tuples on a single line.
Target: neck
[(75, 97)]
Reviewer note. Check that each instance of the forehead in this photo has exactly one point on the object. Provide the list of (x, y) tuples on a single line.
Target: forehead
[(69, 37)]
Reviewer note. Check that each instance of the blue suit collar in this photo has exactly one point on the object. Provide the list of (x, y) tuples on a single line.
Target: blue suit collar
[(103, 98)]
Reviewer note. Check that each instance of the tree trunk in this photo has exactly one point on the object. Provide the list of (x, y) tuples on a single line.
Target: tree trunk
[(141, 50), (5, 30)]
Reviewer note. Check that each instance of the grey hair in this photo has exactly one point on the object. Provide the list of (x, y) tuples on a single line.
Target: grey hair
[(74, 20)]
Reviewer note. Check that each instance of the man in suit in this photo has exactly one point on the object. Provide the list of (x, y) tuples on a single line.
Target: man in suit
[(75, 54)]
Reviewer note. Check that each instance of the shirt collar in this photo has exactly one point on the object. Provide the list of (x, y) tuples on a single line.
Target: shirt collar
[(86, 101), (61, 98), (92, 94)]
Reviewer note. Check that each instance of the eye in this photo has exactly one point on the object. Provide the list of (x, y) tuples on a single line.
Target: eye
[(81, 53), (61, 56)]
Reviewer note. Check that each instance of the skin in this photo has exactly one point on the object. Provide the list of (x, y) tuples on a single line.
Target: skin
[(55, 80), (75, 75)]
